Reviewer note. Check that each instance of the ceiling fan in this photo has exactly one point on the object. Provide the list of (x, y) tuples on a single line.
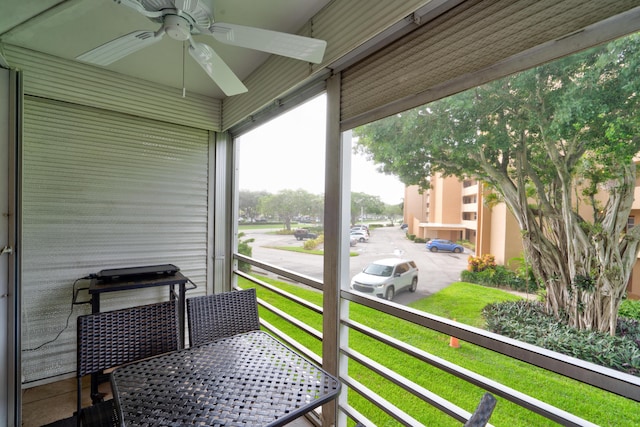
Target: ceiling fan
[(181, 19)]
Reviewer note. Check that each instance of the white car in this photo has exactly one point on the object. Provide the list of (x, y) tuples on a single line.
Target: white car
[(386, 277), (362, 236), (360, 227)]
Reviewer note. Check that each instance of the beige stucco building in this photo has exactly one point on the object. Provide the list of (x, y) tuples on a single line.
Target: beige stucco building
[(453, 209)]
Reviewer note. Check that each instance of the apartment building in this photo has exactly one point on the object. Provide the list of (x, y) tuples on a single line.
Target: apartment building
[(453, 209)]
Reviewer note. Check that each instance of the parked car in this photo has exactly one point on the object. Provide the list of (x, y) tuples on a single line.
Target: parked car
[(353, 241), (436, 245), (362, 236), (303, 233), (360, 227), (386, 277), (404, 226)]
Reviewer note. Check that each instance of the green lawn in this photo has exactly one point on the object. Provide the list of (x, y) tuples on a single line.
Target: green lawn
[(463, 302), (305, 251), (260, 226)]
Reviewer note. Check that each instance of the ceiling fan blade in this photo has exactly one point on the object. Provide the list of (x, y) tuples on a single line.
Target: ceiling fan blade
[(290, 45), (119, 48), (186, 5), (133, 4), (216, 68)]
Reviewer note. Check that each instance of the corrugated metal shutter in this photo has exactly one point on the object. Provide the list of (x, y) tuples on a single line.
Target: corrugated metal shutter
[(102, 190), (56, 78), (273, 79), (344, 24), (469, 37)]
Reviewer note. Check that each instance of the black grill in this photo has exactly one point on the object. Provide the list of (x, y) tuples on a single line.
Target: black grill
[(362, 288)]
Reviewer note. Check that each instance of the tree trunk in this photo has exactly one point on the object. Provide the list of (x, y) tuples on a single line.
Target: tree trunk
[(585, 286)]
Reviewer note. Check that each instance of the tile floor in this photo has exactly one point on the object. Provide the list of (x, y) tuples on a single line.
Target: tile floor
[(51, 402)]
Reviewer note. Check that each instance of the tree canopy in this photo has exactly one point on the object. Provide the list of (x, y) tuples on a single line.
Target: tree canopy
[(248, 203), (288, 204), (557, 144), (365, 204)]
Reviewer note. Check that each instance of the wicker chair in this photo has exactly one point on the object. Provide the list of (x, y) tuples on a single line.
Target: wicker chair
[(112, 338), (221, 315), (481, 415)]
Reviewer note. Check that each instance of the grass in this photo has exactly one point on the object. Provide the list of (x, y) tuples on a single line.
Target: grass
[(297, 249), (260, 226), (305, 251), (463, 302)]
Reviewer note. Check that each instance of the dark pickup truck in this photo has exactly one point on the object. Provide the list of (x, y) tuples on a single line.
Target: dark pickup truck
[(303, 233)]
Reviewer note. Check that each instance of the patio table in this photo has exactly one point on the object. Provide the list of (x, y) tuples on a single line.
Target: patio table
[(248, 379)]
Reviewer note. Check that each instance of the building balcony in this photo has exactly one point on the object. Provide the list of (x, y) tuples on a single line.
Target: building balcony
[(469, 207), (470, 225), (470, 190)]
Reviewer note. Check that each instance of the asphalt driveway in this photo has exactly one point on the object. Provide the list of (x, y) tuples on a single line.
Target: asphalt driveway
[(437, 270)]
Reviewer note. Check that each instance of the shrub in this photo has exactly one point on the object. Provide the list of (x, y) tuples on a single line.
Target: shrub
[(481, 263), (419, 240), (484, 271), (630, 328), (244, 249), (411, 236), (528, 321), (284, 231), (630, 308), (484, 277), (313, 243), (467, 244)]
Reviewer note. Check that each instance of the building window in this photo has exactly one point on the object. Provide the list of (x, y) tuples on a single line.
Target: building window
[(469, 199)]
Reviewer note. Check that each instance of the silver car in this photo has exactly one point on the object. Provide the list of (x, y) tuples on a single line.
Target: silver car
[(386, 277)]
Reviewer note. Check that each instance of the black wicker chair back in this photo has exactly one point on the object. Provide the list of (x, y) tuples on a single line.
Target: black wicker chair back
[(481, 415), (221, 315), (112, 338)]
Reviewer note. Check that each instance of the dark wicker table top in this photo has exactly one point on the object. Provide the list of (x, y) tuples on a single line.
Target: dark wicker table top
[(246, 380)]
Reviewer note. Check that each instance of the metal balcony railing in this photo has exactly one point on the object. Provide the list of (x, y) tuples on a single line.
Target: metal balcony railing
[(584, 372)]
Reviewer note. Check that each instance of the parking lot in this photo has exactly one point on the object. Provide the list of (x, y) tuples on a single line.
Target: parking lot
[(437, 270)]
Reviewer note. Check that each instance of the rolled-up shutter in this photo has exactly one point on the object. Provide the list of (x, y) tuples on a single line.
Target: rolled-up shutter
[(102, 190), (470, 37)]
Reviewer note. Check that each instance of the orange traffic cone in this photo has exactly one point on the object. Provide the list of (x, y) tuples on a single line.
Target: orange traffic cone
[(453, 341)]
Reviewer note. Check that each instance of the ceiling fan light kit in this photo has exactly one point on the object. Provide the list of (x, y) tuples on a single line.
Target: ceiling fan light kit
[(182, 19)]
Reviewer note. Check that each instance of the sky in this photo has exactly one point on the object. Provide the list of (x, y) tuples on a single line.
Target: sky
[(288, 153)]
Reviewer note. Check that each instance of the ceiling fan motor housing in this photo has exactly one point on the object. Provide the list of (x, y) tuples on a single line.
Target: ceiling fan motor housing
[(177, 27)]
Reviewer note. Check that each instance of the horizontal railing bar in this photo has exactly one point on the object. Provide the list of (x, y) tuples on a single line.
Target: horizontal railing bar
[(417, 390), (300, 278), (301, 325), (285, 294), (589, 373), (291, 342), (382, 403), (521, 399), (353, 413)]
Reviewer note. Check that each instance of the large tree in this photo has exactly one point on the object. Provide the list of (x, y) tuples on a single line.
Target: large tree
[(288, 204), (249, 202), (365, 204), (556, 143)]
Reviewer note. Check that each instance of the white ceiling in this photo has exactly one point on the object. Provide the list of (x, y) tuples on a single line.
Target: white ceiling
[(68, 28)]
